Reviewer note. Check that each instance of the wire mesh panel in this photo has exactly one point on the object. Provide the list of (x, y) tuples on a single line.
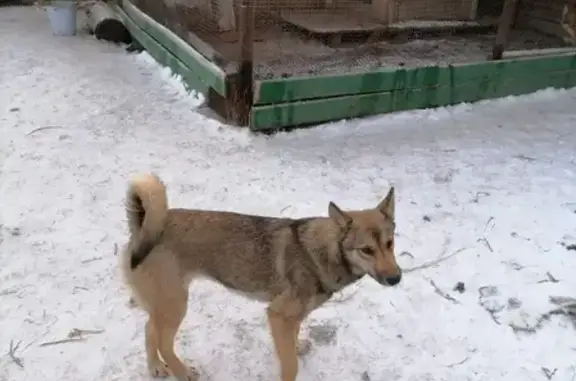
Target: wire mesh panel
[(314, 37), (402, 10)]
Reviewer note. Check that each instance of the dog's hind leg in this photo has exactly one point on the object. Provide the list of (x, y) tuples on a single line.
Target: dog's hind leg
[(167, 322), (156, 367)]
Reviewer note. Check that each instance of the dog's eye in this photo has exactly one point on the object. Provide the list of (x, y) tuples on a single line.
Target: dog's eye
[(389, 244), (367, 250)]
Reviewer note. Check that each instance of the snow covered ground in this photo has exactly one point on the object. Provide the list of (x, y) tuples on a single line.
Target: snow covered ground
[(496, 179)]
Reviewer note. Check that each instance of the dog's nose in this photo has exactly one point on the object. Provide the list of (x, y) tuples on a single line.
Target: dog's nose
[(390, 280), (394, 280)]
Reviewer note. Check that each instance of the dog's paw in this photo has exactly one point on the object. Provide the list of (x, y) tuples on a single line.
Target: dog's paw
[(192, 375), (304, 347), (159, 370)]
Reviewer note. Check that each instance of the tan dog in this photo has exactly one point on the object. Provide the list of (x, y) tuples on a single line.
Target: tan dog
[(295, 265)]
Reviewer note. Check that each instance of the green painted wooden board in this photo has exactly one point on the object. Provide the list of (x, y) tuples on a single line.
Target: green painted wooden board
[(208, 72), (163, 56), (305, 88), (336, 108)]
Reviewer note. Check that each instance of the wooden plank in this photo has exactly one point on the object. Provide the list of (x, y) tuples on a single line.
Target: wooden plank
[(543, 26), (323, 110), (537, 52), (192, 79), (209, 73), (306, 88), (546, 9), (336, 22), (380, 10), (545, 16)]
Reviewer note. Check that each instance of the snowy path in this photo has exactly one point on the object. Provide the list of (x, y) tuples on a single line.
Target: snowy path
[(504, 171)]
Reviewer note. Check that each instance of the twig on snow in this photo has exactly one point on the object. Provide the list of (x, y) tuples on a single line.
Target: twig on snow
[(524, 157), (479, 194), (491, 219), (64, 341), (485, 240), (466, 359), (80, 332), (550, 278), (7, 292), (42, 129), (434, 262), (528, 239), (91, 260), (549, 373), (12, 353), (407, 254), (73, 336), (442, 293)]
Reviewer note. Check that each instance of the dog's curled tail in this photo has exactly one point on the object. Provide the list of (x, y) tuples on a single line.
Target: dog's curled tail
[(146, 209)]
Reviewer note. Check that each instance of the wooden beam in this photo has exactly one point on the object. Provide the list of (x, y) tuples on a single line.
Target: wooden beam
[(315, 111), (504, 27), (208, 71), (192, 77), (281, 90), (473, 10), (244, 86), (105, 24), (538, 52)]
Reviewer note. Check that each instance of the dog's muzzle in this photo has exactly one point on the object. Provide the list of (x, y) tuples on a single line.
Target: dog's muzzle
[(389, 280)]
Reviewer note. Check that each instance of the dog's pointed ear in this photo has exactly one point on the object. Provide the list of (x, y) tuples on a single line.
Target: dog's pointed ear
[(387, 205), (338, 215)]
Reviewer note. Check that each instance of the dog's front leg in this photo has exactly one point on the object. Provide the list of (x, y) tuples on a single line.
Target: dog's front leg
[(284, 334), (285, 317)]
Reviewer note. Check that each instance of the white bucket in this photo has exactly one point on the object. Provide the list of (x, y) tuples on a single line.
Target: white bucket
[(62, 17)]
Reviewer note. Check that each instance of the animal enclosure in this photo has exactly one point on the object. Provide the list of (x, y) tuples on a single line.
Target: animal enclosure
[(249, 42)]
